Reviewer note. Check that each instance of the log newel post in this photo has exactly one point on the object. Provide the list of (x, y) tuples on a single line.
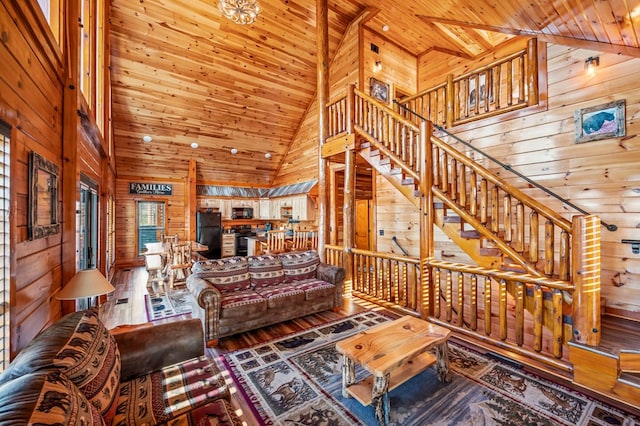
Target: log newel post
[(532, 72), (586, 279), (450, 101), (426, 292)]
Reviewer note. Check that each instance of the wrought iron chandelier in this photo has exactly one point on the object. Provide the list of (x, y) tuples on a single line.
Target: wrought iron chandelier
[(240, 11)]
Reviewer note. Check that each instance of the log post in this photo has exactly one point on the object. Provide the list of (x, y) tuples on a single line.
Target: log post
[(191, 200), (450, 102), (426, 292), (349, 210), (322, 69), (586, 279)]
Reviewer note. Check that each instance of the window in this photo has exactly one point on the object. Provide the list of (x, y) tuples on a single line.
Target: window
[(4, 247), (51, 11), (150, 223)]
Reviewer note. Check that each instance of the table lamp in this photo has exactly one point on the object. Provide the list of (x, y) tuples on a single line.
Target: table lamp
[(86, 283)]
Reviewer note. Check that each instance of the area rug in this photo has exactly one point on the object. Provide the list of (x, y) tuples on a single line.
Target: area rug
[(297, 380), (168, 304)]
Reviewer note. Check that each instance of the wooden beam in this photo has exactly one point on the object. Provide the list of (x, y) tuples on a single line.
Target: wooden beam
[(549, 38)]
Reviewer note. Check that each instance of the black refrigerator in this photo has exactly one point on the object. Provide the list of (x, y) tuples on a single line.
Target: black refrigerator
[(209, 233)]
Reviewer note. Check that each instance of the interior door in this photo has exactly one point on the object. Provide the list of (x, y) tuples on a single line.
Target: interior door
[(363, 224)]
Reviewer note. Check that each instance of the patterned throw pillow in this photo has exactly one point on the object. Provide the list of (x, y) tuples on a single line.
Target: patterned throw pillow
[(91, 360), (300, 266), (227, 275), (265, 271), (45, 399)]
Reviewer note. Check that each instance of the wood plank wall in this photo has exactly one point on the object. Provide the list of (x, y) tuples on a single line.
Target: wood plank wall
[(31, 102), (126, 219), (601, 177)]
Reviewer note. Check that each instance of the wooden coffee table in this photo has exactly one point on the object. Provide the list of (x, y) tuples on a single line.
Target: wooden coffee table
[(392, 352)]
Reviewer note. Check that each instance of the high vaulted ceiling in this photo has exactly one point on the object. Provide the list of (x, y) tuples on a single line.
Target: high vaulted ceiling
[(183, 73)]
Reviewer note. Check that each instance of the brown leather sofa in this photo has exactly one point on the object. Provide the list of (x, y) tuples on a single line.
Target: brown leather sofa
[(238, 294), (76, 372)]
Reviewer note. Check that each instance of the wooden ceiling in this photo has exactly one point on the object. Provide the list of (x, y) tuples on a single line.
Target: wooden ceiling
[(182, 73)]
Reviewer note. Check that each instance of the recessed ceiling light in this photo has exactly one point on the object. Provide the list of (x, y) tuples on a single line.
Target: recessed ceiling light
[(267, 155), (147, 138), (234, 151), (194, 145), (385, 28)]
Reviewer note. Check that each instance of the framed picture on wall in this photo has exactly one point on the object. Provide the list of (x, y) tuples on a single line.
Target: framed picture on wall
[(600, 122), (379, 89)]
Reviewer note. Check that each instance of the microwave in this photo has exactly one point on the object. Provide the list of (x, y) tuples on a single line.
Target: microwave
[(241, 213)]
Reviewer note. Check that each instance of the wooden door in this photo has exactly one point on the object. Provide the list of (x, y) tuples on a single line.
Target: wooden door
[(363, 224)]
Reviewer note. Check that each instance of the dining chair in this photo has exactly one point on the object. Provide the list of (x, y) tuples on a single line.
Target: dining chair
[(155, 267), (170, 239), (312, 240), (300, 240), (275, 242), (180, 267)]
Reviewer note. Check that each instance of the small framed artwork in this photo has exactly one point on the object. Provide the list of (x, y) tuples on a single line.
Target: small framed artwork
[(378, 89), (600, 122)]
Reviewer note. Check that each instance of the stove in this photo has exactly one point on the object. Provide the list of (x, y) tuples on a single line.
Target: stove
[(242, 232)]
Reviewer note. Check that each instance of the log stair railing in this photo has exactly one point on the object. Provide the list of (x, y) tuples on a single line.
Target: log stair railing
[(518, 234)]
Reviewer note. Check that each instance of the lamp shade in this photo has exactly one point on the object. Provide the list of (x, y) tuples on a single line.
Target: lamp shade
[(85, 283)]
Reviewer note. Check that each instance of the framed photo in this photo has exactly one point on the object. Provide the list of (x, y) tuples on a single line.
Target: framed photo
[(378, 89), (600, 122)]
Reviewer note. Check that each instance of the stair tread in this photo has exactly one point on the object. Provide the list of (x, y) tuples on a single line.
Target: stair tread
[(630, 379)]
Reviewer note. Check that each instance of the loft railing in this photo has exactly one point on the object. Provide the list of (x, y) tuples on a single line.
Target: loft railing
[(537, 240), (507, 84)]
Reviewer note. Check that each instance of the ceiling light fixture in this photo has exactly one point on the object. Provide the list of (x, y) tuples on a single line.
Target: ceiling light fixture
[(377, 66), (385, 28), (194, 145), (234, 151), (267, 155), (147, 138), (241, 12), (591, 64)]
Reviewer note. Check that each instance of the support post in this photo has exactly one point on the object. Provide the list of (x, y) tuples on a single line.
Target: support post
[(322, 68), (349, 216), (191, 200), (450, 101), (426, 291), (586, 278)]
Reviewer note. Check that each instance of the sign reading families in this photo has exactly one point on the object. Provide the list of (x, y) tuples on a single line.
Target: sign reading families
[(150, 188)]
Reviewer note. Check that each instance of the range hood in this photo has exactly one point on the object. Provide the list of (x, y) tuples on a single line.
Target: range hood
[(248, 192)]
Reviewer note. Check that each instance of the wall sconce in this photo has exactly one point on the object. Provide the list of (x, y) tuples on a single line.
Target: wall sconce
[(591, 64), (377, 66)]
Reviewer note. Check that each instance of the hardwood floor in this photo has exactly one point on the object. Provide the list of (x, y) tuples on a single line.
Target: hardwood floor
[(126, 306)]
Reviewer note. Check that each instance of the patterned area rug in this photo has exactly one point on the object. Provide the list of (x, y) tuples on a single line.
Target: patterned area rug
[(169, 304), (296, 380)]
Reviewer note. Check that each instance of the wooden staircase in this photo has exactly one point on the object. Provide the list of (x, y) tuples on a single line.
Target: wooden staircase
[(517, 243)]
